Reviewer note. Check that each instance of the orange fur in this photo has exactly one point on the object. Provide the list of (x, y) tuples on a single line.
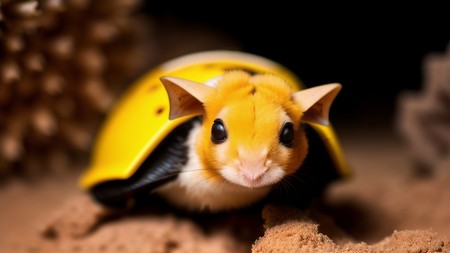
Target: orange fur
[(254, 109)]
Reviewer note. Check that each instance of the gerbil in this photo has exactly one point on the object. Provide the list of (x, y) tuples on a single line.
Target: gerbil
[(250, 137)]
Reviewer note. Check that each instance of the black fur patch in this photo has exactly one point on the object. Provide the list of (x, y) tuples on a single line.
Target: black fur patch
[(161, 166)]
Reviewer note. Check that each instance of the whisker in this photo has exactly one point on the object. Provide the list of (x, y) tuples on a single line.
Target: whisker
[(297, 183), (203, 180), (290, 186), (221, 183), (180, 172), (300, 179), (282, 187), (199, 169)]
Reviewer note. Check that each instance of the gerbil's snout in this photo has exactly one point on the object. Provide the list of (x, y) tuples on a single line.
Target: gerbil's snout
[(255, 169)]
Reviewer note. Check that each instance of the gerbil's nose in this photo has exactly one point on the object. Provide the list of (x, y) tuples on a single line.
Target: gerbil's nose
[(253, 169), (253, 163), (252, 176)]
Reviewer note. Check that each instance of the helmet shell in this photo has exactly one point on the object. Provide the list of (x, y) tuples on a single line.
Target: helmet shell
[(140, 119)]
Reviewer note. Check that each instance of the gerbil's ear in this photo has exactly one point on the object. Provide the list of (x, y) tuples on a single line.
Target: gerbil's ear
[(316, 102), (186, 97)]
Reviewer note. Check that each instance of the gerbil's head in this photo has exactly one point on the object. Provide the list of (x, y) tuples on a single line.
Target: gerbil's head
[(251, 133)]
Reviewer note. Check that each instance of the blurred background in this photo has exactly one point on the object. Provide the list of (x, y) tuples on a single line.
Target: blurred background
[(374, 52), (64, 63)]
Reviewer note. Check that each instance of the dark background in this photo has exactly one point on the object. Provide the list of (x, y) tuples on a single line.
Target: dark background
[(376, 52)]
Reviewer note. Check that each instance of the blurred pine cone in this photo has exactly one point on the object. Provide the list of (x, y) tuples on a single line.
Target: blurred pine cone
[(61, 63)]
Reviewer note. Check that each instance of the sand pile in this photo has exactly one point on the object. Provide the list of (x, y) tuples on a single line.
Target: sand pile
[(290, 230)]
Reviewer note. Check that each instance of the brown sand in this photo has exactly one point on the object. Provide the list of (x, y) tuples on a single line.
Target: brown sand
[(383, 208), (290, 230)]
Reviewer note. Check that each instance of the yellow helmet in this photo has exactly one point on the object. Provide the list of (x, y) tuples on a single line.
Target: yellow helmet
[(139, 122)]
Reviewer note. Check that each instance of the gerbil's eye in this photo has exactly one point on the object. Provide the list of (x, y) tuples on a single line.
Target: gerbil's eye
[(287, 135), (218, 132)]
